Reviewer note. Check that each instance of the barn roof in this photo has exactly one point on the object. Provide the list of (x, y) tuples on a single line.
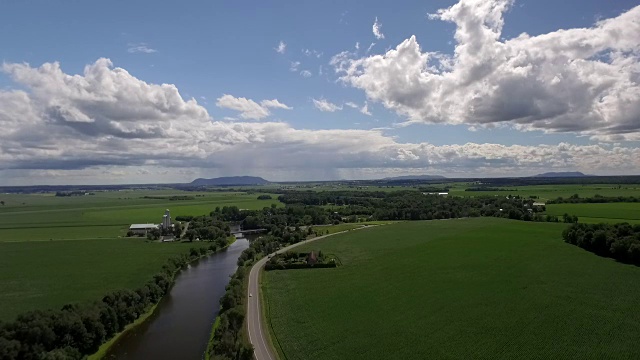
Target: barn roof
[(142, 226)]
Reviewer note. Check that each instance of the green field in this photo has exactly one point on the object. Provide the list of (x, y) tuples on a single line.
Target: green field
[(332, 229), (479, 288), (50, 274), (57, 250), (105, 214), (597, 213), (549, 192)]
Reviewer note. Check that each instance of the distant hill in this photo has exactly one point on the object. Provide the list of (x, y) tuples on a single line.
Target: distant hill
[(230, 180), (561, 174), (416, 177)]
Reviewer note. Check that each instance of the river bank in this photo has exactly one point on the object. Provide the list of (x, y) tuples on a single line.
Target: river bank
[(180, 325), (106, 347)]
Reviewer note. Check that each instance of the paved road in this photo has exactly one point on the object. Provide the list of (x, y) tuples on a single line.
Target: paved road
[(257, 332)]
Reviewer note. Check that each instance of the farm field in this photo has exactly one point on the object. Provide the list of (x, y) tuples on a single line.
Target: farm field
[(481, 288), (548, 192), (597, 213), (50, 274), (105, 214), (332, 229)]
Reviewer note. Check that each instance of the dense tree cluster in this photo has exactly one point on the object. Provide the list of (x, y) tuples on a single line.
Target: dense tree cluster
[(487, 188), (78, 330), (434, 189), (274, 218), (72, 193), (597, 199), (295, 260), (618, 241), (412, 205), (338, 198), (170, 198), (208, 228), (264, 197)]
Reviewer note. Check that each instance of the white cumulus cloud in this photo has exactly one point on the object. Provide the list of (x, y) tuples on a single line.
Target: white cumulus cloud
[(248, 108), (583, 80), (107, 125)]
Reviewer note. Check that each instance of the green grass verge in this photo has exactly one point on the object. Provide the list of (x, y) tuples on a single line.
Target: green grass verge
[(272, 340), (460, 289)]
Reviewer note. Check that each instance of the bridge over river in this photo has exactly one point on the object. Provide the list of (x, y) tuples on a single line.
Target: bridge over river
[(236, 232)]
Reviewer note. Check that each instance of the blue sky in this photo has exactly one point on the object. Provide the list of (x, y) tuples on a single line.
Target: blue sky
[(208, 49)]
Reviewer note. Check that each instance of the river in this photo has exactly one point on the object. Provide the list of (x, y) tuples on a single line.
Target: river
[(181, 324)]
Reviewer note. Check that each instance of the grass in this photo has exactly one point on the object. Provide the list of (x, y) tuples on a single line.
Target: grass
[(597, 213), (458, 289), (106, 214), (548, 192), (50, 274), (332, 229)]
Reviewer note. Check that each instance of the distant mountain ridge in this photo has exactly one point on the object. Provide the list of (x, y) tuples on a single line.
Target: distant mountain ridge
[(230, 180), (561, 174), (416, 177)]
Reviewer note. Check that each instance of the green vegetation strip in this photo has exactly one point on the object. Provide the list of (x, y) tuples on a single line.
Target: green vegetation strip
[(266, 319), (590, 213), (458, 289), (102, 351)]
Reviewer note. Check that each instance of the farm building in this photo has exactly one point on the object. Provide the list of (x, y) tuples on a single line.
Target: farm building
[(438, 193), (142, 229), (166, 220)]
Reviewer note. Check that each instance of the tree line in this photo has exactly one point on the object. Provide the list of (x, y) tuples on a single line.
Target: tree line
[(78, 330), (207, 228), (411, 205), (619, 241), (229, 340), (596, 199)]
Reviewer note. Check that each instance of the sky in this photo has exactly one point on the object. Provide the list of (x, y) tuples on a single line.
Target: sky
[(160, 92)]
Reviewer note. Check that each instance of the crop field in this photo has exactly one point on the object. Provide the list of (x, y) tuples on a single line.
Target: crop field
[(105, 214), (332, 229), (548, 192), (597, 213), (50, 274), (480, 288)]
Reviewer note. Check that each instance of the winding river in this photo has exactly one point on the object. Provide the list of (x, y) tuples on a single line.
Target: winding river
[(180, 325)]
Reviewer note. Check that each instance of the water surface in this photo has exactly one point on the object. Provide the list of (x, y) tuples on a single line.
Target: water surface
[(180, 326)]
